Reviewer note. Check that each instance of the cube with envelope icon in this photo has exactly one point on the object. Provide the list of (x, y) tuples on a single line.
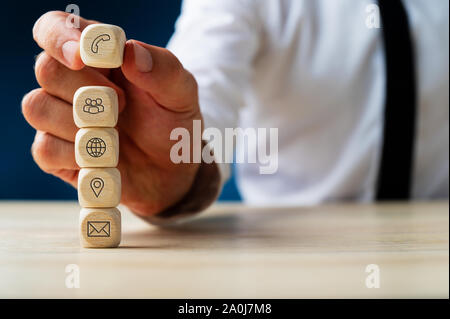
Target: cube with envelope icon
[(100, 227)]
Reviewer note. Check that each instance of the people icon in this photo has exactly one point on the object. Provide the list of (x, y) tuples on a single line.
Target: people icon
[(93, 106)]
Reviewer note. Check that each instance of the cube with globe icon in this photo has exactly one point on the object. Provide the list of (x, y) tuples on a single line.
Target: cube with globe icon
[(97, 147)]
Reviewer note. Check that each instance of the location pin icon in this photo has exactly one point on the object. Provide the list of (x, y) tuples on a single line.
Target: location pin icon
[(97, 185)]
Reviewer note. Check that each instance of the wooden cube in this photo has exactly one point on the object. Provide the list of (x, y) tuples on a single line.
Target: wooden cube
[(97, 147), (95, 106), (102, 45), (99, 187), (100, 227)]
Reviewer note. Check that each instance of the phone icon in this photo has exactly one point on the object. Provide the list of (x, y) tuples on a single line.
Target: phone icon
[(97, 40)]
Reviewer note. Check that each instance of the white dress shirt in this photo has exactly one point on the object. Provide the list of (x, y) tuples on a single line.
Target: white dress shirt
[(314, 70)]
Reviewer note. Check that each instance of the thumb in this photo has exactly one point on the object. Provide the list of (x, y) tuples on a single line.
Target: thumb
[(158, 72)]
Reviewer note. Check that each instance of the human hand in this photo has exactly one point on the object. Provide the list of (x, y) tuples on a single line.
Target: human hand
[(156, 95)]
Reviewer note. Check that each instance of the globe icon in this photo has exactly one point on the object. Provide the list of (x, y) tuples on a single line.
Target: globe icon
[(96, 147)]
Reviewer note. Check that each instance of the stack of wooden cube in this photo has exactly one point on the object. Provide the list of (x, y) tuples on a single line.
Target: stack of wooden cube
[(95, 111)]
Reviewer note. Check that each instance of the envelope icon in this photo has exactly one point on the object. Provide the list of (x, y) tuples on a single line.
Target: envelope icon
[(98, 229)]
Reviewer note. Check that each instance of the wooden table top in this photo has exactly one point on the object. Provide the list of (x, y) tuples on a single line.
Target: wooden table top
[(231, 251)]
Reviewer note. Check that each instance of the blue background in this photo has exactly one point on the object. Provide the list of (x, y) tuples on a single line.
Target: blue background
[(148, 21)]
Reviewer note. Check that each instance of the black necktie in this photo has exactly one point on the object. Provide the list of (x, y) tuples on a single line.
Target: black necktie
[(394, 177)]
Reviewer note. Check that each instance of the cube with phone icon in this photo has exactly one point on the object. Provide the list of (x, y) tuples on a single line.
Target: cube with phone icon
[(102, 45)]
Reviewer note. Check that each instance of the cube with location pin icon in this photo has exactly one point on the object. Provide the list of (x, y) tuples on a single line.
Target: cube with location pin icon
[(99, 187)]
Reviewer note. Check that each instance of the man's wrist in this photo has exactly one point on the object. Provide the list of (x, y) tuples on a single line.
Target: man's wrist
[(204, 191)]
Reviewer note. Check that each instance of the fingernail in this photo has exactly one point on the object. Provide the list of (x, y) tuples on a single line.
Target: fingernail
[(69, 50), (142, 58)]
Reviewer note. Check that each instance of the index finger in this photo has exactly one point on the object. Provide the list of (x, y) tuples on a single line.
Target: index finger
[(59, 39)]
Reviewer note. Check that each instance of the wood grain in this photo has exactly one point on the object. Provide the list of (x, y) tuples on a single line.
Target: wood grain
[(232, 251)]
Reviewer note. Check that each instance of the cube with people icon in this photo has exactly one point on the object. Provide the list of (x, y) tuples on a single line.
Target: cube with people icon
[(95, 106)]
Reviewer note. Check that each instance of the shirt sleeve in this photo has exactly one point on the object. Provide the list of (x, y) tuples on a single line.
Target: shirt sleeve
[(216, 41)]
